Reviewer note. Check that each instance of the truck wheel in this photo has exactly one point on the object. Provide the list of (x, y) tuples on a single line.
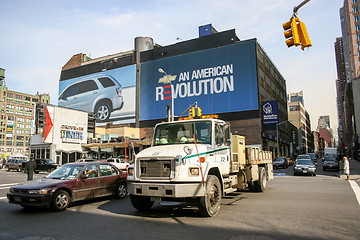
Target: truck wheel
[(251, 186), (209, 205), (121, 191), (260, 185), (60, 201), (141, 203)]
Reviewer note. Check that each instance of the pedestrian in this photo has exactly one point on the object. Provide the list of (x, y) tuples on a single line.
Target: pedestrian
[(30, 168), (346, 168), (3, 162)]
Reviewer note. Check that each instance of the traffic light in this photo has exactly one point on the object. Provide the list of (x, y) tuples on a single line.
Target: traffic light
[(291, 33), (192, 112), (304, 36), (198, 111), (296, 33)]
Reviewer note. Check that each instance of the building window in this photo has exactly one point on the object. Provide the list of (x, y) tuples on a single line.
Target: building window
[(9, 95), (356, 18), (18, 97), (27, 99), (293, 108), (355, 9)]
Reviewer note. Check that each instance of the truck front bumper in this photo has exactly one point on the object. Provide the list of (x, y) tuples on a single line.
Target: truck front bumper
[(178, 190)]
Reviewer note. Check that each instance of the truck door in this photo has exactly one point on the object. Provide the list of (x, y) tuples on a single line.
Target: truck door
[(221, 150)]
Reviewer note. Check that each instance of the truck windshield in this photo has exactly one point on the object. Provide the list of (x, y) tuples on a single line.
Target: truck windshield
[(182, 133)]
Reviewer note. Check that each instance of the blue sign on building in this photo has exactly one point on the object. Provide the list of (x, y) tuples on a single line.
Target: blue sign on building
[(220, 80), (270, 112)]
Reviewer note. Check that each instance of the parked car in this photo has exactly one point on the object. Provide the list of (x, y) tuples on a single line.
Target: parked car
[(304, 167), (99, 94), (70, 183), (8, 161), (119, 163), (280, 162), (46, 165), (330, 164), (14, 164)]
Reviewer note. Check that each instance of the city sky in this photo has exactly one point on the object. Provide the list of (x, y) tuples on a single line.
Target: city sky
[(38, 37)]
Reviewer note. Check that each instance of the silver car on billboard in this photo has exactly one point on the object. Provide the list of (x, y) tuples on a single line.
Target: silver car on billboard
[(100, 94)]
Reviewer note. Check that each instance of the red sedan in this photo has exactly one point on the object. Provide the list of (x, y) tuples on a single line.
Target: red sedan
[(69, 183)]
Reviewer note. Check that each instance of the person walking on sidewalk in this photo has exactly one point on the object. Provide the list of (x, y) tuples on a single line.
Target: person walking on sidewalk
[(346, 168), (30, 168)]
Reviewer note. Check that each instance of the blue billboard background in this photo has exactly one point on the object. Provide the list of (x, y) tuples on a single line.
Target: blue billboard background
[(220, 80)]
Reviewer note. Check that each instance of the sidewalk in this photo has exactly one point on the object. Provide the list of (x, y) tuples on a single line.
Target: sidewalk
[(354, 170)]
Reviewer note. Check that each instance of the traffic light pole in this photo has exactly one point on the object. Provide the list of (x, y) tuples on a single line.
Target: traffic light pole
[(299, 6)]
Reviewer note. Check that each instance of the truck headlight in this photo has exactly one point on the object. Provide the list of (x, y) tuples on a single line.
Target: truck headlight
[(194, 171)]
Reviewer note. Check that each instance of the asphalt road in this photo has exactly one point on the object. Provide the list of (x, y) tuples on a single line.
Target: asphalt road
[(293, 207)]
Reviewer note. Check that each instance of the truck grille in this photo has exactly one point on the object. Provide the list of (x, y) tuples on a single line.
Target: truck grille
[(156, 168)]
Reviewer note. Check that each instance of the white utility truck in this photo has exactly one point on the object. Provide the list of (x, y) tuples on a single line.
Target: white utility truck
[(197, 161)]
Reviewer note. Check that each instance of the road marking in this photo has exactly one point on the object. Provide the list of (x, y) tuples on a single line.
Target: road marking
[(1, 198), (356, 189), (8, 184)]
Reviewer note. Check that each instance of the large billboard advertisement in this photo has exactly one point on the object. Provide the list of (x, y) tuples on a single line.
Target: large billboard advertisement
[(220, 80), (110, 94)]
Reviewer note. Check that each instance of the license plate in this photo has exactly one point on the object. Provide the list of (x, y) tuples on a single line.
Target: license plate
[(304, 171), (17, 199)]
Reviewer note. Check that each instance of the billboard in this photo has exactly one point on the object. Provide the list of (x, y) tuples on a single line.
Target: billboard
[(110, 94), (220, 80), (65, 126), (270, 112)]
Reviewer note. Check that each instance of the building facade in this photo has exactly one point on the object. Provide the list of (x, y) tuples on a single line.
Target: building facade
[(350, 28), (225, 76), (17, 119), (300, 118)]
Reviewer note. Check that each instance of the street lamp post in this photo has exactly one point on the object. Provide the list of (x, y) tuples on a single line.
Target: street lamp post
[(277, 136), (172, 97)]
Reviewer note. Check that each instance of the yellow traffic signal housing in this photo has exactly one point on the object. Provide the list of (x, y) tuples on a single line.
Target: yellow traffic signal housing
[(198, 111), (192, 112), (291, 33), (304, 36), (195, 112), (296, 33)]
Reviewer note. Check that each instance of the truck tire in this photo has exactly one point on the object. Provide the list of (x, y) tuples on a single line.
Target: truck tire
[(260, 185), (141, 203), (251, 186), (209, 205)]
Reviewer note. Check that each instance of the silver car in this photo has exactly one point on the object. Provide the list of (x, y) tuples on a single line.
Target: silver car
[(304, 167), (100, 94), (15, 164)]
